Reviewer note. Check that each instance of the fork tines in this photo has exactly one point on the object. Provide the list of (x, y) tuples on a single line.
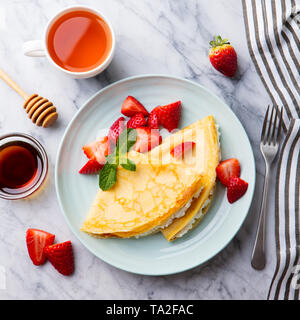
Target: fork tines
[(271, 131)]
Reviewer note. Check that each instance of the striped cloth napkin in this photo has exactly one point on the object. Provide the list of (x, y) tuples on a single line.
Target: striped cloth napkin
[(272, 30)]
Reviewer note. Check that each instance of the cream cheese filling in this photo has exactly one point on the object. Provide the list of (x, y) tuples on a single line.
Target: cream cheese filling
[(178, 214), (181, 212), (189, 226)]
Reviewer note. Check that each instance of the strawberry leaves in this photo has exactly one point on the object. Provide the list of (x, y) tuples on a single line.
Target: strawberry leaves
[(108, 174), (218, 41)]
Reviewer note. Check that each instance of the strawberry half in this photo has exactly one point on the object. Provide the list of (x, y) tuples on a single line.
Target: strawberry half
[(137, 121), (115, 130), (169, 115), (153, 122), (146, 139), (97, 150), (61, 257), (131, 106), (236, 189), (178, 151), (91, 167), (36, 241), (227, 169), (223, 56)]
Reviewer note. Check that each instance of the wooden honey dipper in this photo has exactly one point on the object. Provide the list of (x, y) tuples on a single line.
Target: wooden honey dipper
[(40, 110)]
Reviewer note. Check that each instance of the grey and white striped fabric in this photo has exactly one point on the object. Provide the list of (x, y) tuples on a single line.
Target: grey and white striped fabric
[(273, 35)]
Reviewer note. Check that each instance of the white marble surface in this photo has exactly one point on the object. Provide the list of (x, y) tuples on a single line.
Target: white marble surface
[(153, 36)]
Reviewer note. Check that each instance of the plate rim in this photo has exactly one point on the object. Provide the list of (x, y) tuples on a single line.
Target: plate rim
[(77, 114)]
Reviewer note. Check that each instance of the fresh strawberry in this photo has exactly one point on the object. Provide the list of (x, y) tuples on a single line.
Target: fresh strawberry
[(227, 169), (97, 150), (110, 147), (91, 167), (178, 151), (236, 189), (223, 56), (169, 115), (153, 122), (115, 130), (61, 257), (131, 106), (36, 241), (146, 139), (137, 121)]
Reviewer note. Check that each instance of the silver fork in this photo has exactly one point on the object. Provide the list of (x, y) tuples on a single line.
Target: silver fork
[(269, 145)]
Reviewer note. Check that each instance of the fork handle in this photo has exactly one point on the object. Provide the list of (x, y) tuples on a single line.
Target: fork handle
[(258, 260)]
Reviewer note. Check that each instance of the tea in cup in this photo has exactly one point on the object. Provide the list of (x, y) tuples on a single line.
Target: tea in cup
[(79, 41)]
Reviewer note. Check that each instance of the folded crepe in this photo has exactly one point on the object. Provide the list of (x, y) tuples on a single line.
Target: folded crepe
[(161, 191), (200, 205)]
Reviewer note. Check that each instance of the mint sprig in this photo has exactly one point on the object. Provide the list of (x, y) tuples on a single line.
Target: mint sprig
[(108, 174), (128, 165), (125, 141)]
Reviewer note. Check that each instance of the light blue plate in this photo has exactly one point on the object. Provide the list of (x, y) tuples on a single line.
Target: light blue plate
[(153, 255)]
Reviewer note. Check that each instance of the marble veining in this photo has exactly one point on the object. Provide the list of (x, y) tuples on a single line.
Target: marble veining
[(153, 36)]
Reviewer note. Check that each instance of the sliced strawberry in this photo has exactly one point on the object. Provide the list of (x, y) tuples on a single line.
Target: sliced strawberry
[(91, 167), (115, 130), (131, 106), (146, 139), (169, 115), (236, 189), (97, 150), (153, 122), (61, 257), (110, 147), (227, 169), (137, 121), (178, 151), (36, 241)]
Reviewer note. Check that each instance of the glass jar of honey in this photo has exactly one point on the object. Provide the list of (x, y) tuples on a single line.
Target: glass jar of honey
[(23, 166)]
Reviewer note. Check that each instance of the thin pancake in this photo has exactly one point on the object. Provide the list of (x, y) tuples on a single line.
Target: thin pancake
[(142, 199), (148, 197), (212, 152)]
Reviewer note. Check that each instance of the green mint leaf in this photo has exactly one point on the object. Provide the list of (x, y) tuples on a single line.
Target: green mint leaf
[(128, 164), (126, 140), (112, 158), (108, 176), (131, 138)]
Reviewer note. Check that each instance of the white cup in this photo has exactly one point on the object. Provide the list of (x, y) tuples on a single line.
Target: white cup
[(38, 48)]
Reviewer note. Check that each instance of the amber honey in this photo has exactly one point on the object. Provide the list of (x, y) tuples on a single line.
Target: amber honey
[(20, 167), (79, 41)]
